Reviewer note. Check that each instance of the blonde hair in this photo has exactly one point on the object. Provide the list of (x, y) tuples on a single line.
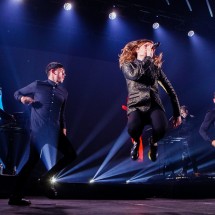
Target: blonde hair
[(128, 53)]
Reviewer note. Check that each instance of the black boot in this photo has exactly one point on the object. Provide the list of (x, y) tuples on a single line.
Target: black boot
[(152, 154), (134, 150), (18, 200)]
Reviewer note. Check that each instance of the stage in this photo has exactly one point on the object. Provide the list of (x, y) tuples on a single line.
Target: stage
[(158, 186), (149, 206), (159, 195)]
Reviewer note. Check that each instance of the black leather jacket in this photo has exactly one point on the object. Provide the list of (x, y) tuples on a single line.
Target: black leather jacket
[(142, 79)]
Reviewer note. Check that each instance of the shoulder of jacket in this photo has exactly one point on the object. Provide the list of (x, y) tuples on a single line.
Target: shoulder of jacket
[(210, 113), (63, 89), (131, 64), (40, 82)]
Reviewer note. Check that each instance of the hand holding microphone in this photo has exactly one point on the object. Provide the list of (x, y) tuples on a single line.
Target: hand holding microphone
[(151, 49), (155, 45)]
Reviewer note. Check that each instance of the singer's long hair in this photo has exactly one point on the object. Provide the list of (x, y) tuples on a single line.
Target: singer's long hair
[(128, 53)]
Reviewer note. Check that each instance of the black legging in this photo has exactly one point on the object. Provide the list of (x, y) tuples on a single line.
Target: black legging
[(63, 145), (154, 117)]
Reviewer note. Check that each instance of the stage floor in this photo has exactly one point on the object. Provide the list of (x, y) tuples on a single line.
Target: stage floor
[(160, 196), (158, 186), (151, 206)]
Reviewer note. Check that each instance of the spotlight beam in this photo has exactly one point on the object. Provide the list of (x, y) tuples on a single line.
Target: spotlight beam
[(48, 155), (188, 4), (113, 180), (78, 177), (167, 1), (118, 144), (99, 153), (124, 167), (209, 8), (143, 173), (207, 164)]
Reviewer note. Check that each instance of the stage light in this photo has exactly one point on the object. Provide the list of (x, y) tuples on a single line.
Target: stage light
[(1, 103), (156, 25), (67, 6), (53, 180), (191, 33), (112, 15), (92, 181)]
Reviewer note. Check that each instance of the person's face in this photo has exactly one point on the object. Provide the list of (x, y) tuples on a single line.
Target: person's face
[(214, 100), (60, 75), (184, 113), (144, 48)]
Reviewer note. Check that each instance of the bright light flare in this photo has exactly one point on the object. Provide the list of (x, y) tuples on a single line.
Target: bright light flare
[(92, 181), (67, 6), (112, 15), (191, 33), (156, 25), (53, 180)]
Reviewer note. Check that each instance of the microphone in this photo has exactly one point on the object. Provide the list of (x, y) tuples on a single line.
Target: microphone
[(156, 45)]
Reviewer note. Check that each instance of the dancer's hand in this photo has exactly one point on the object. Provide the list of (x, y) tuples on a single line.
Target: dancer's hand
[(176, 122), (27, 100), (64, 131), (213, 143), (150, 50)]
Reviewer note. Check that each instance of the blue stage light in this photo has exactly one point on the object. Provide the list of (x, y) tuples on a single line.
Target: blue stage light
[(92, 181), (156, 25), (53, 180), (112, 15), (67, 6), (191, 33)]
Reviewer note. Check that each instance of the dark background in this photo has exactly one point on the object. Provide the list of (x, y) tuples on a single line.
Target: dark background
[(36, 32)]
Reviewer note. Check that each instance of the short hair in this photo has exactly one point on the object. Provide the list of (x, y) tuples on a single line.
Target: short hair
[(53, 65), (184, 107)]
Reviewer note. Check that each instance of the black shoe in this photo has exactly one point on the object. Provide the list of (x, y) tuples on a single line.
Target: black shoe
[(152, 154), (19, 201), (134, 151)]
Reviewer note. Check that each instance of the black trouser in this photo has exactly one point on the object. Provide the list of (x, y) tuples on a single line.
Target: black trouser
[(154, 117), (62, 144), (188, 157)]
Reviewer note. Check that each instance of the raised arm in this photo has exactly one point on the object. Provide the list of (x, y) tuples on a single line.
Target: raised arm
[(134, 70)]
